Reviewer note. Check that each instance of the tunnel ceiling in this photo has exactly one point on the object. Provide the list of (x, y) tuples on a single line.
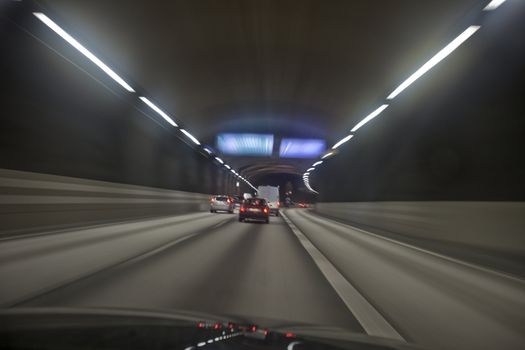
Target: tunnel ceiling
[(292, 68)]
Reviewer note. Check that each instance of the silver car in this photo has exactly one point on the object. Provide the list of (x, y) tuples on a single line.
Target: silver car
[(222, 203)]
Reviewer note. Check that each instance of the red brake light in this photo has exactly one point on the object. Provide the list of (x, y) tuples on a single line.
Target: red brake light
[(254, 328), (216, 326), (242, 209), (265, 210), (200, 325), (265, 332), (290, 335)]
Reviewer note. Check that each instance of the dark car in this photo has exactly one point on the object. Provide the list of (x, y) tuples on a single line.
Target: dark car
[(255, 209)]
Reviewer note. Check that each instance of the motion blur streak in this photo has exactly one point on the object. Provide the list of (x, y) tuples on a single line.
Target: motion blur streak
[(48, 22)]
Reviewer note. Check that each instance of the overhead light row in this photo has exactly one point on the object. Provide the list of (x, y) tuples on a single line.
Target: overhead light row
[(73, 42), (438, 57)]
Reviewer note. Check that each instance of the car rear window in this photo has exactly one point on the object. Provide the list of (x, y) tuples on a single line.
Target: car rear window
[(221, 199), (255, 201)]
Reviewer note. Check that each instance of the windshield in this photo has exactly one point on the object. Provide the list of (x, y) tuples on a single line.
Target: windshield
[(352, 166), (255, 201)]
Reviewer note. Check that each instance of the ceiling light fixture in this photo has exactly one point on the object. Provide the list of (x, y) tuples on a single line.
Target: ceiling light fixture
[(219, 160), (158, 110), (494, 4), (317, 163), (190, 136), (454, 44), (369, 117), (340, 142), (329, 153), (73, 42)]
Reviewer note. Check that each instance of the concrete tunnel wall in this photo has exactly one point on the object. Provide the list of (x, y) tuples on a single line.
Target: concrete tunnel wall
[(444, 162), (57, 118)]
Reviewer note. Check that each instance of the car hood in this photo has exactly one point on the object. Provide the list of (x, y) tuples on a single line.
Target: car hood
[(28, 318)]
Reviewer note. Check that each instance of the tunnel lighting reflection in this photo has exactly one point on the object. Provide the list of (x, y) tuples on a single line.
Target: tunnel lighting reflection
[(301, 148), (158, 110), (73, 42), (328, 154), (317, 163), (310, 169), (207, 150), (369, 118), (227, 166), (454, 44), (494, 4), (340, 142), (245, 144), (219, 160), (190, 136)]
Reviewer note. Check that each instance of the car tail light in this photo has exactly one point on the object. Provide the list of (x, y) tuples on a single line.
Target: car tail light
[(242, 209), (200, 325), (217, 326), (265, 210), (290, 335), (265, 332), (254, 328), (278, 204)]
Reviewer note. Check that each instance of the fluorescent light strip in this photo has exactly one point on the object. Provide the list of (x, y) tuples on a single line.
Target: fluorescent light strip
[(340, 142), (158, 110), (190, 136), (207, 150), (73, 42), (219, 160), (310, 169), (227, 166), (317, 163), (494, 4), (435, 60), (330, 153), (368, 118)]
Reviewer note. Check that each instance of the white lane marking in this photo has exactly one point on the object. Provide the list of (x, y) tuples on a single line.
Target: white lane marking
[(370, 319), (422, 250)]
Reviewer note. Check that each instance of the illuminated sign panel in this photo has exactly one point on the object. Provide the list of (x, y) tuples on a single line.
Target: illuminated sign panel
[(245, 144), (301, 148)]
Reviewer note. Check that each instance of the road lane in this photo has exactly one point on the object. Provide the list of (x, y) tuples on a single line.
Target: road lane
[(33, 265), (253, 270), (432, 301)]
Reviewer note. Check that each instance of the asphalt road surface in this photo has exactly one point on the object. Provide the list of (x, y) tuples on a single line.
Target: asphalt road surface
[(305, 269)]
